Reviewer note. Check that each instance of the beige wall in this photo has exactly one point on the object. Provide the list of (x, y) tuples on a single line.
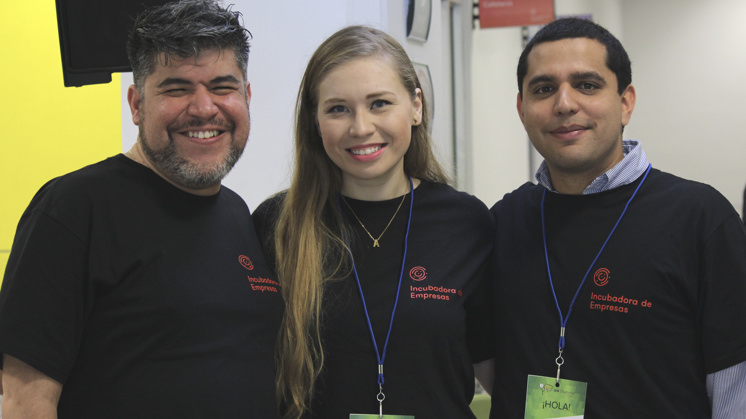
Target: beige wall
[(688, 65)]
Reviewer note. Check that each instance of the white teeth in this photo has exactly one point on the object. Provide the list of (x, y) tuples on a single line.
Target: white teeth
[(365, 151), (202, 134)]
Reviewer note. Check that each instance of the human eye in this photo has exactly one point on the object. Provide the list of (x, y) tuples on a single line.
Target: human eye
[(543, 90), (224, 89), (379, 103), (336, 109), (175, 91), (588, 87)]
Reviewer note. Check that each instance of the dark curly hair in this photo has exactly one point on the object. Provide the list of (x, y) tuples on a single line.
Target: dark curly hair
[(183, 29)]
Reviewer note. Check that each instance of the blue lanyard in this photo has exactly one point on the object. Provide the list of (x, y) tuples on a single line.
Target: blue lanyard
[(564, 319), (382, 356)]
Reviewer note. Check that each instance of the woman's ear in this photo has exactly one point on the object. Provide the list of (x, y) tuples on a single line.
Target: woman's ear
[(417, 107)]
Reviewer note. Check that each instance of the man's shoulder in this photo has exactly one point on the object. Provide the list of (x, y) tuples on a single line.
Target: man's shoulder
[(232, 196), (94, 173), (670, 185), (79, 183), (684, 198), (520, 197)]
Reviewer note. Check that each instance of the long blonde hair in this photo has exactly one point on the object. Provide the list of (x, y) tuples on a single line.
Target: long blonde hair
[(309, 243)]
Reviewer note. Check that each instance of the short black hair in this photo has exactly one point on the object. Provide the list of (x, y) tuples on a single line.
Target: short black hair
[(183, 29), (617, 59)]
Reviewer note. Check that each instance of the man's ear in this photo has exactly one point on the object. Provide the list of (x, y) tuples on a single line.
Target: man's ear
[(629, 96), (134, 100), (519, 106)]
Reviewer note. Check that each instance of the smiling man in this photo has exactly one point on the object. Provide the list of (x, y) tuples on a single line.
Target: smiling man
[(618, 288), (135, 286), (195, 121)]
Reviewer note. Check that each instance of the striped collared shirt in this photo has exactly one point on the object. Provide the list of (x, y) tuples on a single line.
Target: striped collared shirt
[(623, 173)]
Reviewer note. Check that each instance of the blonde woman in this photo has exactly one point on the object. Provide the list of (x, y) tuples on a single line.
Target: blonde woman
[(378, 257)]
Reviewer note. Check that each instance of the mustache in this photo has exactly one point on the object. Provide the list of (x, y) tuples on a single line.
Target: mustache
[(199, 122)]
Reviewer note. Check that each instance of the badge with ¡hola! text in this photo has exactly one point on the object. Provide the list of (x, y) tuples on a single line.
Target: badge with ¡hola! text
[(362, 416), (547, 400)]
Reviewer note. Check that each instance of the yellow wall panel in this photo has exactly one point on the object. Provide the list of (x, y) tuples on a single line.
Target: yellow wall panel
[(48, 129), (3, 260)]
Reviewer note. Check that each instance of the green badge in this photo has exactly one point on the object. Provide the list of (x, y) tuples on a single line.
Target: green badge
[(547, 400)]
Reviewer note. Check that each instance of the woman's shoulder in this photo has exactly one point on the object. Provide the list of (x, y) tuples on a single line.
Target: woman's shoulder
[(271, 206), (266, 214), (443, 201), (443, 194)]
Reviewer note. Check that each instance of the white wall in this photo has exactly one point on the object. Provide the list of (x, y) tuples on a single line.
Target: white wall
[(687, 66), (435, 53), (285, 34), (500, 152)]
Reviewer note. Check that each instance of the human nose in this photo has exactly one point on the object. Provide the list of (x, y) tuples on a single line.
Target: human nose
[(202, 104), (565, 103), (362, 125)]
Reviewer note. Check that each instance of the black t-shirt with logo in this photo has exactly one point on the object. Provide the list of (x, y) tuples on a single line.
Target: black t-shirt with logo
[(442, 306), (661, 308), (144, 301)]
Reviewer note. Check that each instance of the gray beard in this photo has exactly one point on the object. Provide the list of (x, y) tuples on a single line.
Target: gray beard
[(183, 173)]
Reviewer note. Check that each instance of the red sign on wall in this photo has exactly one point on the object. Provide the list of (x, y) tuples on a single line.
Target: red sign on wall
[(496, 13)]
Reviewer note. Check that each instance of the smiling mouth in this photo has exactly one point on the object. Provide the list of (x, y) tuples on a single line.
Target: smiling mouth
[(565, 130), (203, 134), (364, 151)]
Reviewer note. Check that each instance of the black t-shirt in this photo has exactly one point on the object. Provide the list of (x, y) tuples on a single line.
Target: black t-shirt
[(141, 299), (428, 366), (662, 307)]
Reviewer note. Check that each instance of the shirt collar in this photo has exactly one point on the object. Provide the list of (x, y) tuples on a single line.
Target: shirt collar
[(632, 166)]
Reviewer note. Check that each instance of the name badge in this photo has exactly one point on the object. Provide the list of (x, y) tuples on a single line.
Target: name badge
[(547, 400)]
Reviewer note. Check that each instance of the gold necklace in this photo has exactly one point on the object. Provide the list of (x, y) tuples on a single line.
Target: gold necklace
[(375, 240)]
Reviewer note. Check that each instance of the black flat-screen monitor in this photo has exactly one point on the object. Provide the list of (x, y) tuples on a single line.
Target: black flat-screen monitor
[(93, 37)]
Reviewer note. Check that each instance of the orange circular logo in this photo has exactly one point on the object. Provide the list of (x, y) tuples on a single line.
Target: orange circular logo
[(418, 273), (246, 262), (601, 277)]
